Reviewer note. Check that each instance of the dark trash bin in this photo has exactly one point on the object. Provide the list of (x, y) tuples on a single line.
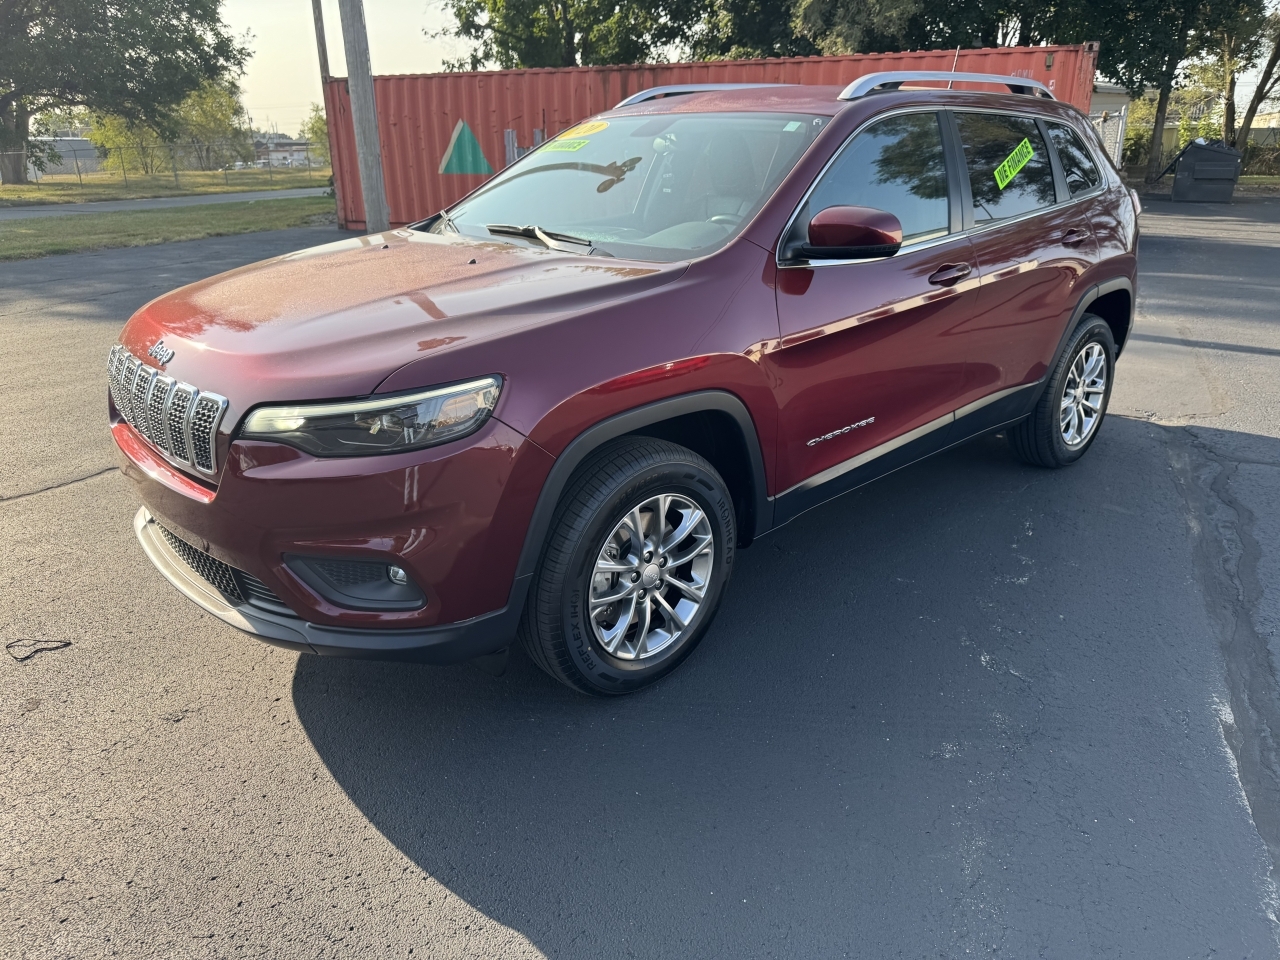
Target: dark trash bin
[(1206, 172)]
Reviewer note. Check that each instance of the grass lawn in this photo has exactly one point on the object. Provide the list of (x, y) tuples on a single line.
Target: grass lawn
[(74, 233), (66, 188)]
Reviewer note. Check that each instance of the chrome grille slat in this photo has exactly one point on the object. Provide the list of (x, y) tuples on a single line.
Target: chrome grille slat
[(157, 402), (206, 411), (128, 373), (114, 363), (179, 420), (141, 391), (176, 421)]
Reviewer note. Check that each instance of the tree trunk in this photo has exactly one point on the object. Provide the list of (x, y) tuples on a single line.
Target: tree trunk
[(1154, 158), (1266, 84), (13, 144), (570, 39), (1229, 111)]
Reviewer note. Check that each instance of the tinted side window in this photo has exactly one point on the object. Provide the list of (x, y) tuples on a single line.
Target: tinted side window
[(897, 165), (1009, 171), (1077, 164)]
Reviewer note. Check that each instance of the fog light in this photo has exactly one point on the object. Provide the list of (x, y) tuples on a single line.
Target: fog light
[(397, 575)]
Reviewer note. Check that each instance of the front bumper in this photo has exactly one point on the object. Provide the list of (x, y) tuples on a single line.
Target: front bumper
[(448, 643)]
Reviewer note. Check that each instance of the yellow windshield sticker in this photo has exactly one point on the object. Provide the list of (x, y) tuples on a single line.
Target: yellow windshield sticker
[(1013, 163), (565, 146), (585, 129)]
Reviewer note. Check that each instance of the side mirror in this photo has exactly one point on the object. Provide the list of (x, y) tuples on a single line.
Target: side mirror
[(852, 233)]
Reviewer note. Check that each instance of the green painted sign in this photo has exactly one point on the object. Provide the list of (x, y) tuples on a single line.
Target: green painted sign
[(464, 154), (1013, 163)]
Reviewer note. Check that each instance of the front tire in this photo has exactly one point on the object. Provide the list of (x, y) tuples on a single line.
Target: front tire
[(1069, 413), (640, 549)]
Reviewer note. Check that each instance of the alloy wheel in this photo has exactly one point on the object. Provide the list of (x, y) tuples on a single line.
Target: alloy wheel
[(1083, 395), (651, 577)]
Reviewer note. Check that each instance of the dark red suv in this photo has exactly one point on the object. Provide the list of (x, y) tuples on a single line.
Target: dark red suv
[(555, 410)]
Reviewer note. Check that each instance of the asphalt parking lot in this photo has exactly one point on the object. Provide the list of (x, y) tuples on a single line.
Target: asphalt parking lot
[(979, 710)]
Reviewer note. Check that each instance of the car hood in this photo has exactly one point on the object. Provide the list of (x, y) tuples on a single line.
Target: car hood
[(336, 320)]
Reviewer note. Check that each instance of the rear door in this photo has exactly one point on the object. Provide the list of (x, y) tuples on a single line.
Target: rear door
[(1087, 189), (866, 354), (1031, 250)]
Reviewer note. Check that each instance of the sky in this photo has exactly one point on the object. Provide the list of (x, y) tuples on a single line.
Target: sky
[(282, 79)]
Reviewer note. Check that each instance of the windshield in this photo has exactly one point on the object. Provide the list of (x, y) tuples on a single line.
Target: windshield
[(665, 187)]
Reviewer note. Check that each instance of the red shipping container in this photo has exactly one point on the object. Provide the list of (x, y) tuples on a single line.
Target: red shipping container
[(444, 134)]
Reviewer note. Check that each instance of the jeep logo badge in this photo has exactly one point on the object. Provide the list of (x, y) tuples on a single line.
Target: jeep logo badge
[(161, 353)]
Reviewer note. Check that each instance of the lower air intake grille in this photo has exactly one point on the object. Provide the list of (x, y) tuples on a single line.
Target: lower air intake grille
[(259, 594), (351, 573), (236, 585)]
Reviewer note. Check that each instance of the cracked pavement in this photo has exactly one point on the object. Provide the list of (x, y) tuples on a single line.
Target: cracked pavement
[(981, 709)]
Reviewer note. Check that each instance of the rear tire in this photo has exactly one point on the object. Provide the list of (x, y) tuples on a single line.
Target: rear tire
[(1069, 413), (667, 590)]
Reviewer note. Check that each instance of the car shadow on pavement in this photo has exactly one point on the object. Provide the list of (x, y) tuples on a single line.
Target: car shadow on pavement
[(871, 751)]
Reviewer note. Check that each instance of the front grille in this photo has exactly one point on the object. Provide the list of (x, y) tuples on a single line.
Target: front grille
[(179, 420), (236, 585)]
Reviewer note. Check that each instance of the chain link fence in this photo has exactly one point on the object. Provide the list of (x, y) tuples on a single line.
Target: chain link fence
[(1110, 127), (177, 164)]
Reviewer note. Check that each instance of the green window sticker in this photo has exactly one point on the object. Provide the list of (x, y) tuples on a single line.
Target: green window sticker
[(791, 127), (565, 146), (1013, 163)]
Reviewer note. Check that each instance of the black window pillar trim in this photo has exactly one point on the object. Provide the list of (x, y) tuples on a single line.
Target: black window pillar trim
[(1060, 189), (957, 175)]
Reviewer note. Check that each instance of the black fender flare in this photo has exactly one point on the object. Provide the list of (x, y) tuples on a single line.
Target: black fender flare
[(618, 425), (1086, 300)]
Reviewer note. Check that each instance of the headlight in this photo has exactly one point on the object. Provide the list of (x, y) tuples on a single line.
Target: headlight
[(381, 424)]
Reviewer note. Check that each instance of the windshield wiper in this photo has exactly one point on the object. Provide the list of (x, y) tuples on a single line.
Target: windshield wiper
[(564, 242)]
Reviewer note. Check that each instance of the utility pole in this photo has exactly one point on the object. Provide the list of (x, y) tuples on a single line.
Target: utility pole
[(364, 116), (322, 48)]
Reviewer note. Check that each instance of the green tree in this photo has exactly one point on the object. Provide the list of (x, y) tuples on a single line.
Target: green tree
[(1232, 46), (137, 145), (567, 33), (1268, 80), (1144, 43), (315, 129), (856, 26), (211, 124), (746, 29), (209, 127), (136, 59)]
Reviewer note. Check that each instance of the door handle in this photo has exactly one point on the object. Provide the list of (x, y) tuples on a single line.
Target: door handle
[(950, 274), (1074, 237)]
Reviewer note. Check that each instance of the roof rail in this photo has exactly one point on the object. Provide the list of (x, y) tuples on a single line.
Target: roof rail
[(892, 80), (682, 88)]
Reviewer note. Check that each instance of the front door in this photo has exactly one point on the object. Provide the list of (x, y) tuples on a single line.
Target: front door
[(866, 357)]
